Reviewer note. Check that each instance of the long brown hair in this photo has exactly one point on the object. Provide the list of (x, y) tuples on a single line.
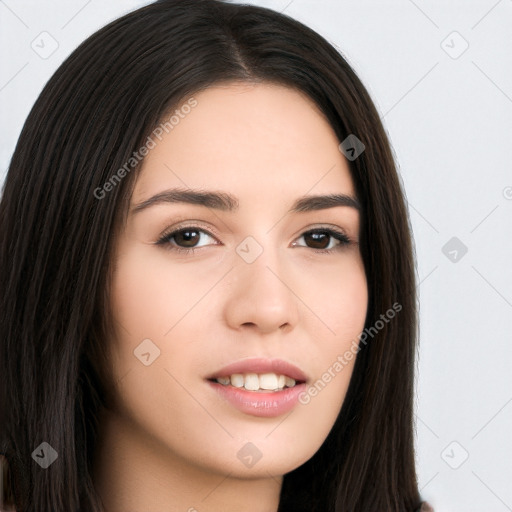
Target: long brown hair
[(56, 241)]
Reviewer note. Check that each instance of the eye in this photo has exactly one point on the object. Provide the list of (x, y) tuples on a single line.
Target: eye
[(186, 239), (324, 240)]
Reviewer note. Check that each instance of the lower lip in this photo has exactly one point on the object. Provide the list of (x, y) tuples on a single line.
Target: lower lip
[(256, 403)]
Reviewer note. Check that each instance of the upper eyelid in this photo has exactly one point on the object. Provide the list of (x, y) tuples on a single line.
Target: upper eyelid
[(189, 225)]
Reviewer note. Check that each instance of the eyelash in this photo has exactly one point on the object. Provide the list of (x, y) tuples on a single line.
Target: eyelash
[(333, 233)]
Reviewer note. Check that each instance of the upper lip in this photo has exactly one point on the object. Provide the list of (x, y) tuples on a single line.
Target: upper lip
[(260, 365)]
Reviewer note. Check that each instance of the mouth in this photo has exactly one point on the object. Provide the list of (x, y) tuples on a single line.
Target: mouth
[(258, 383), (267, 388)]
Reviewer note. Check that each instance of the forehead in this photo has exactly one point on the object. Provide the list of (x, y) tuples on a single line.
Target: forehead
[(259, 140)]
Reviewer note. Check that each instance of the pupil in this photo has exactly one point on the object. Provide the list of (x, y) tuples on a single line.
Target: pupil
[(318, 243), (187, 238)]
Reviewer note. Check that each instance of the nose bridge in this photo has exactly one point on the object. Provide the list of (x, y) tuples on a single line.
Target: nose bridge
[(260, 292)]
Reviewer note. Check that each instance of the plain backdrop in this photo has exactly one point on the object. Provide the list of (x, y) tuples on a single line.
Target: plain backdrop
[(440, 74)]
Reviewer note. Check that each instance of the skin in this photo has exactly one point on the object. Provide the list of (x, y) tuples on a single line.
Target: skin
[(168, 441)]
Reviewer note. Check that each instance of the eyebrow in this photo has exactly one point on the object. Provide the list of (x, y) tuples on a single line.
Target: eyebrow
[(229, 203)]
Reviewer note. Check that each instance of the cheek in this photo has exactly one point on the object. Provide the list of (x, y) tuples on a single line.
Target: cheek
[(155, 309), (343, 307), (338, 293), (149, 298)]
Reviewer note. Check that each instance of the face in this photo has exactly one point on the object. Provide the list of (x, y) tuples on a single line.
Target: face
[(249, 288)]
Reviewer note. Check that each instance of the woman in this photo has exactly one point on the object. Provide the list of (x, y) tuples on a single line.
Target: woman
[(208, 281)]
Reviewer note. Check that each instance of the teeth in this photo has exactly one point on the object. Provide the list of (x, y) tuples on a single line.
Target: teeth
[(255, 382), (236, 380), (268, 381), (289, 382), (252, 382)]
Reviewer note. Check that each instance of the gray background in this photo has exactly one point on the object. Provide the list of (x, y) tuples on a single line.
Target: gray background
[(448, 110)]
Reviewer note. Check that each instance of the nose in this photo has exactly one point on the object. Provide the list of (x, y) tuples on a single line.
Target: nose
[(260, 296)]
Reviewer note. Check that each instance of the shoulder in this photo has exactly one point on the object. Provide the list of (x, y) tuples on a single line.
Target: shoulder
[(425, 507)]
